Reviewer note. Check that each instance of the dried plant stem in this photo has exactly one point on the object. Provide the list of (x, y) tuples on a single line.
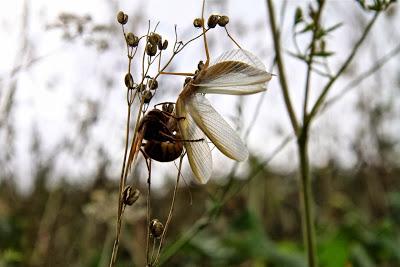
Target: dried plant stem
[(148, 211), (121, 188), (171, 209)]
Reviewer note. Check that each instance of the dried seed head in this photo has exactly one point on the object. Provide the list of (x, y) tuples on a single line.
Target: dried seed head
[(156, 228), (164, 45), (147, 96), (130, 195), (200, 66), (187, 80), (155, 38), (151, 49), (212, 21), (223, 20), (129, 80), (141, 87), (153, 84), (132, 40), (122, 18), (168, 107), (198, 22)]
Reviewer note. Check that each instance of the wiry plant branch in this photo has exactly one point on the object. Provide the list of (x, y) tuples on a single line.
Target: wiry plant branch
[(344, 66)]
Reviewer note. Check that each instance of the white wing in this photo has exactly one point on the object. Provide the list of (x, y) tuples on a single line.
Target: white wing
[(216, 128), (236, 72), (199, 153)]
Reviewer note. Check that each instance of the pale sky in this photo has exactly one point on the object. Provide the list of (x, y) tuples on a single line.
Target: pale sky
[(53, 93)]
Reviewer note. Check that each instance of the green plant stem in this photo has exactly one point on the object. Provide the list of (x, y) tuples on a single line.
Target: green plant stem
[(344, 66), (310, 58), (307, 199), (281, 68)]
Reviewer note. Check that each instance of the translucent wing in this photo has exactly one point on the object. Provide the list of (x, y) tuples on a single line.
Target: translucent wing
[(216, 128), (199, 153), (236, 72)]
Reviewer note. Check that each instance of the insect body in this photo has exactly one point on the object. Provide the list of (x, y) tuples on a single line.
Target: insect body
[(159, 130)]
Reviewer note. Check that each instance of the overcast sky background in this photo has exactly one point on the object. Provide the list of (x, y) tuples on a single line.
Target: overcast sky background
[(56, 91)]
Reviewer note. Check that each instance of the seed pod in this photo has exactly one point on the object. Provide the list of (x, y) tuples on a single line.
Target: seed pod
[(156, 228), (141, 87), (187, 80), (200, 66), (212, 21), (165, 45), (153, 84), (154, 38), (223, 20), (130, 195), (151, 49), (132, 40), (129, 80), (147, 96), (122, 18), (168, 107), (198, 23)]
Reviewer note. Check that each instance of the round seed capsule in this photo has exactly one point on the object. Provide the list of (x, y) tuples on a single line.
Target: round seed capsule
[(200, 66), (122, 18), (147, 97), (153, 84), (198, 23), (168, 107), (223, 20), (141, 87), (154, 38), (156, 228), (132, 40), (212, 21), (165, 45), (129, 80), (130, 195), (151, 49), (187, 79)]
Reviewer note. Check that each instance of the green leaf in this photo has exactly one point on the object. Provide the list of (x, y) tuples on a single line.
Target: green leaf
[(323, 54), (298, 16)]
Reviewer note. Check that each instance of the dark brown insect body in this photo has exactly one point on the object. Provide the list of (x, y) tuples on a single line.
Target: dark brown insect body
[(159, 129)]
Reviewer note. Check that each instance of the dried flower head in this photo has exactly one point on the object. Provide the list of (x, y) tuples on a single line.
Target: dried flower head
[(122, 18), (198, 22), (223, 20), (132, 40), (156, 228), (212, 21)]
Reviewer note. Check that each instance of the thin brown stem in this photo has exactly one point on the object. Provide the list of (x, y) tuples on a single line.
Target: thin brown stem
[(148, 211), (171, 209), (121, 188)]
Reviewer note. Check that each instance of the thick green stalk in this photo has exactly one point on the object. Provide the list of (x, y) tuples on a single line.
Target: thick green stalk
[(307, 199)]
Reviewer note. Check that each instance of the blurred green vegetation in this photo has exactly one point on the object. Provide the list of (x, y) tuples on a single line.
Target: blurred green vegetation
[(358, 222)]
